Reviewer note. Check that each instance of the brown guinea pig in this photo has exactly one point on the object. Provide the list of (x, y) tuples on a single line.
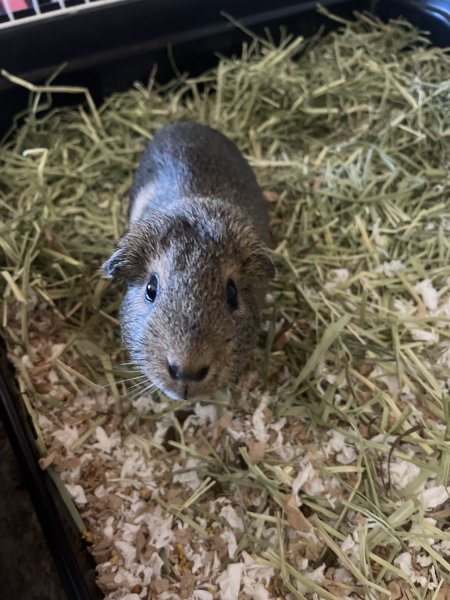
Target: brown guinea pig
[(194, 262)]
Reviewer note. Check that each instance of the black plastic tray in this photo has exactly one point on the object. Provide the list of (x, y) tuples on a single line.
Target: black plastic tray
[(106, 48)]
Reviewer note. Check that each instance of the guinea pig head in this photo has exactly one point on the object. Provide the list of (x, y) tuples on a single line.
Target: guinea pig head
[(195, 284)]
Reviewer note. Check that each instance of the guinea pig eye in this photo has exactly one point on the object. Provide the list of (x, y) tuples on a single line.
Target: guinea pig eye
[(152, 288), (232, 295)]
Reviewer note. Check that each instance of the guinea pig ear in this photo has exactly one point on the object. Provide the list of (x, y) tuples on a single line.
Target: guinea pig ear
[(111, 267), (258, 264), (134, 251)]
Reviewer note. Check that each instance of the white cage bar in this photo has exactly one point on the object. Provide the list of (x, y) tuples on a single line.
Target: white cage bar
[(47, 10)]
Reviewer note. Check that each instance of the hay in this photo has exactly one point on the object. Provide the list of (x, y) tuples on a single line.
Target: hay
[(325, 472)]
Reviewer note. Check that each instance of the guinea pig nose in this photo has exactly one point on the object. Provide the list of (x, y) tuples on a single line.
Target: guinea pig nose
[(178, 373), (174, 371), (201, 374)]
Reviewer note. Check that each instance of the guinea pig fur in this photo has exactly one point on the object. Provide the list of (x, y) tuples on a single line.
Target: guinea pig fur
[(194, 262)]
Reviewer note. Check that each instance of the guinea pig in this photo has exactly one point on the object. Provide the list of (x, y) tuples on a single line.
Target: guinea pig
[(194, 262)]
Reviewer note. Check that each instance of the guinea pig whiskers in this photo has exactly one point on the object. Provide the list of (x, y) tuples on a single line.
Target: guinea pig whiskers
[(142, 383), (130, 364), (124, 380), (138, 388), (146, 389)]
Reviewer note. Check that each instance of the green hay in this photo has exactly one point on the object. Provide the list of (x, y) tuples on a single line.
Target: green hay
[(350, 134)]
